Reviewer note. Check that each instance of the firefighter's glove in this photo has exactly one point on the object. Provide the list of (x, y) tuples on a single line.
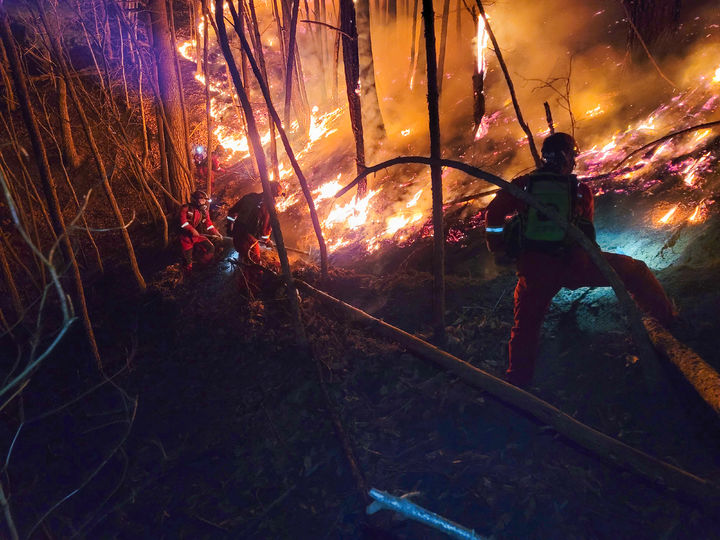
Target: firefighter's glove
[(194, 232)]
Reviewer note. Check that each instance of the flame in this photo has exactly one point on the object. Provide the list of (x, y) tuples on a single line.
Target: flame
[(482, 40), (716, 78), (412, 202), (694, 215), (327, 190), (405, 132), (667, 216), (353, 214)]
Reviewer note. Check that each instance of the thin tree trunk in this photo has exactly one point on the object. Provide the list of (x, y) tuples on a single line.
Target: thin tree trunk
[(290, 59), (435, 175), (69, 152), (9, 94), (254, 138), (443, 44), (348, 27), (206, 75), (373, 125), (411, 71), (275, 118), (48, 182), (170, 102), (10, 284), (79, 107), (274, 165), (176, 61)]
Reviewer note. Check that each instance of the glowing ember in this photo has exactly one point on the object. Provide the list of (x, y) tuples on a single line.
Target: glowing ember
[(405, 132), (667, 216), (597, 111)]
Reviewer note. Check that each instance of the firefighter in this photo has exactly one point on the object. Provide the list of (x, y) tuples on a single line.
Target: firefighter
[(248, 222), (215, 158), (195, 225), (547, 261)]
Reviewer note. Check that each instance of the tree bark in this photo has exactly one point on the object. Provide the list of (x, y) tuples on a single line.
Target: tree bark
[(254, 138), (349, 38), (443, 44), (290, 60), (69, 152), (435, 175), (274, 165), (275, 118), (373, 125), (170, 102), (47, 180)]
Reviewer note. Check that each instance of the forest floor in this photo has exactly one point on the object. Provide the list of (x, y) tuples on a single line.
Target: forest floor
[(216, 426)]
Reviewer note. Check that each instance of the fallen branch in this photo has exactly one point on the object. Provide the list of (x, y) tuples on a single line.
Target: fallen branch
[(703, 378), (603, 446)]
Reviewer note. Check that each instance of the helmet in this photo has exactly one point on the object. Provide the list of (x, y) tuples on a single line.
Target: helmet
[(276, 189), (559, 147), (195, 197), (219, 150)]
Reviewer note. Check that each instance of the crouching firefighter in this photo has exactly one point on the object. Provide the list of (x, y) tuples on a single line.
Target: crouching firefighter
[(195, 225), (248, 222), (548, 261)]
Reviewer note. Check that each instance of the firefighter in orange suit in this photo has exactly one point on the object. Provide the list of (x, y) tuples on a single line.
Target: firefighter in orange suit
[(248, 222), (194, 222), (547, 261)]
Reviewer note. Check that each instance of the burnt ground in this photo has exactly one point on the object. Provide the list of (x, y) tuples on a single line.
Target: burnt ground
[(216, 425)]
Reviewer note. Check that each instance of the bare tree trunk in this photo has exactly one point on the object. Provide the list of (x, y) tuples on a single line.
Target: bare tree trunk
[(290, 60), (435, 175), (70, 155), (176, 61), (274, 165), (60, 61), (254, 138), (9, 95), (443, 44), (206, 75), (656, 22), (10, 284), (348, 27), (170, 102), (411, 70), (48, 182), (373, 125), (275, 118)]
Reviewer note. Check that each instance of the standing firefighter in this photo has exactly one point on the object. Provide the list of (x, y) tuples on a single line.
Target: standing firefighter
[(548, 261), (248, 222), (194, 221)]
